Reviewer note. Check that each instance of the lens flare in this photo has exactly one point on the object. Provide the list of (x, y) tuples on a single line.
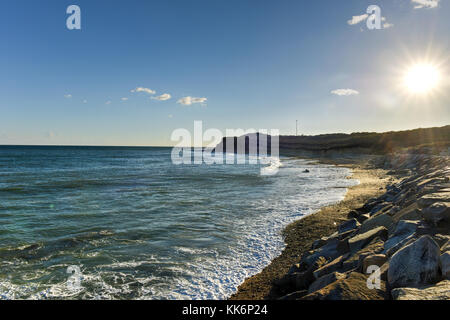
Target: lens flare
[(422, 78)]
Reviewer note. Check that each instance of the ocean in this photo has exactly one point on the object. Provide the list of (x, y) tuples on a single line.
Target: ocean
[(136, 226)]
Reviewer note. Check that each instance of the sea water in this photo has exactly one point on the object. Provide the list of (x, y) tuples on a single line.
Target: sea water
[(139, 227)]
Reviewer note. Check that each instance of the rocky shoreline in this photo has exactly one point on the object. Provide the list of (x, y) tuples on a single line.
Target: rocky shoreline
[(394, 226), (395, 246)]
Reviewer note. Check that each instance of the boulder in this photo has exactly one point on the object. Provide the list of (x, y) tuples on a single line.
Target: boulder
[(410, 212), (325, 280), (437, 212), (360, 240), (354, 287), (363, 217), (445, 264), (353, 214), (356, 260), (329, 267), (415, 264), (348, 225), (440, 291), (374, 259), (428, 199), (318, 243), (383, 220), (403, 230), (328, 251), (304, 279)]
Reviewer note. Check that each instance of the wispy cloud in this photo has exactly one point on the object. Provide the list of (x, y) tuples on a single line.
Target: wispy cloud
[(124, 99), (425, 4), (357, 19), (187, 101), (142, 89), (345, 92), (67, 96), (163, 97), (108, 102)]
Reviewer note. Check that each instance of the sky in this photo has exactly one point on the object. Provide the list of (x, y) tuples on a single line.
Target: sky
[(138, 70)]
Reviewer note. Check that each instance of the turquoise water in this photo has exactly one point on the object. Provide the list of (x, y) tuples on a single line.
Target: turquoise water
[(139, 227)]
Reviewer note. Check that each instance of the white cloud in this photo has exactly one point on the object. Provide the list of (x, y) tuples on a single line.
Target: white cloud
[(67, 96), (163, 97), (142, 89), (387, 25), (425, 4), (124, 99), (187, 101), (357, 19), (344, 92), (108, 102)]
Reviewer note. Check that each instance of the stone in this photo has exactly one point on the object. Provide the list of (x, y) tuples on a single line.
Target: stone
[(328, 251), (383, 220), (304, 279), (354, 287), (353, 214), (415, 264), (355, 261), (360, 240), (445, 264), (428, 199), (403, 230), (440, 291), (294, 269), (348, 225), (410, 212), (395, 246), (318, 243), (363, 217), (325, 280), (374, 259), (329, 267), (437, 212)]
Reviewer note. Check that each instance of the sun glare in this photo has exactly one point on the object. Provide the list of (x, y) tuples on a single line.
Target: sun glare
[(422, 78)]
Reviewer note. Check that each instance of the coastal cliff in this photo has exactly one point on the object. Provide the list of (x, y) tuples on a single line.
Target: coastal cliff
[(424, 140)]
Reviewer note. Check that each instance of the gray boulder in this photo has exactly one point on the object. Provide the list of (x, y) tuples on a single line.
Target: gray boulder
[(437, 212), (359, 241), (348, 225), (325, 280), (375, 259), (403, 230), (428, 199), (440, 291), (445, 264), (382, 220), (415, 264)]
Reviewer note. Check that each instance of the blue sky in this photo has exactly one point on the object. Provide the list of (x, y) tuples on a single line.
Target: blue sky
[(230, 63)]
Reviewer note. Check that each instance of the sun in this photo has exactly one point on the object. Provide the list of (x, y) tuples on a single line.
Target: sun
[(422, 78)]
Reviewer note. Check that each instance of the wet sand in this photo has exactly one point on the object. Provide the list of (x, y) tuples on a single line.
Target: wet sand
[(300, 234)]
